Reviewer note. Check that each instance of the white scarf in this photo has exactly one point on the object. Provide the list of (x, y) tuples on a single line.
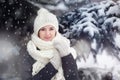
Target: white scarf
[(43, 55)]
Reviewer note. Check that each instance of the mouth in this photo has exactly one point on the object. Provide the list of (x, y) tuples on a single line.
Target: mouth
[(47, 38)]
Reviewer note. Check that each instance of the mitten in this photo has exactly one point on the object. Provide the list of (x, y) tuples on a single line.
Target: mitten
[(56, 60), (36, 67), (62, 44)]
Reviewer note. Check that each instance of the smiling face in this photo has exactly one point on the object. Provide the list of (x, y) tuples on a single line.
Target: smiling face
[(47, 33)]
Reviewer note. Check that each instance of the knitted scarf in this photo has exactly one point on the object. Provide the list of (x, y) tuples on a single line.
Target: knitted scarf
[(43, 56)]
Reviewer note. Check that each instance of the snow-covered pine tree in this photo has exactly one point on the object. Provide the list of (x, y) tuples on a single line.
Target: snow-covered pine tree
[(95, 30)]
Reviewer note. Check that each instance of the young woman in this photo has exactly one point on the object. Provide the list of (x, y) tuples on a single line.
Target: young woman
[(50, 50)]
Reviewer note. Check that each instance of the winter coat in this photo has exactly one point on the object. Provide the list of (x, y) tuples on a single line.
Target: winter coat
[(68, 65), (43, 69), (69, 68)]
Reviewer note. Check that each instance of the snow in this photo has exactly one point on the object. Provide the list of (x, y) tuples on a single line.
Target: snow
[(8, 50), (73, 1), (113, 10), (94, 44), (97, 54), (103, 36), (60, 6), (106, 61), (117, 39), (91, 29)]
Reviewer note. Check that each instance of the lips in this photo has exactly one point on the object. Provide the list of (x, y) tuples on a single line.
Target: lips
[(47, 38)]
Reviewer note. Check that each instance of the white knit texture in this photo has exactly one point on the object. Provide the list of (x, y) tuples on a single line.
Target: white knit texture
[(44, 18)]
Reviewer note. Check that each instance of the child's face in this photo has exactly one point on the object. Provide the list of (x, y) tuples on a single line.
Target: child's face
[(47, 33)]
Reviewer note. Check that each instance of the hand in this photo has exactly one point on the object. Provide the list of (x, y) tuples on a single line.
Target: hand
[(62, 44)]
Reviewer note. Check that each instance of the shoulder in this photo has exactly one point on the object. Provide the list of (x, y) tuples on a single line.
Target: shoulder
[(30, 43), (73, 52), (30, 46)]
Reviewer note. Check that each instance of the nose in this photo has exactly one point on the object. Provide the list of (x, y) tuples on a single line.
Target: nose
[(47, 32)]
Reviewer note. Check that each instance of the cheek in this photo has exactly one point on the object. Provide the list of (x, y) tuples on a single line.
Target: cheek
[(54, 33), (40, 34)]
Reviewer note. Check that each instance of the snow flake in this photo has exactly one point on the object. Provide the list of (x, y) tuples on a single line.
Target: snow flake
[(6, 22), (67, 62), (67, 75), (70, 70), (51, 73), (20, 4), (46, 71)]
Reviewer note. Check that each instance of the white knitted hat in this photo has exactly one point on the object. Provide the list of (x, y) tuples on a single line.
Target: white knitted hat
[(44, 18)]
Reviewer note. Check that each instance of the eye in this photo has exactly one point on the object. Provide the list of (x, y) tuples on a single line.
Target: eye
[(42, 29), (52, 28)]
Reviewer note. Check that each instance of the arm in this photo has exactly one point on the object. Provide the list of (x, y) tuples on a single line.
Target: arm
[(50, 70), (46, 73), (69, 65), (43, 68), (70, 68)]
